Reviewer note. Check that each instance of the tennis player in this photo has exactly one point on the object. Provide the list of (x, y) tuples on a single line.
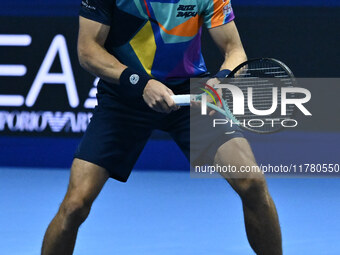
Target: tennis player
[(144, 51)]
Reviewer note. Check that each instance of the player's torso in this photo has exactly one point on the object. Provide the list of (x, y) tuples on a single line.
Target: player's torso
[(172, 21), (162, 38)]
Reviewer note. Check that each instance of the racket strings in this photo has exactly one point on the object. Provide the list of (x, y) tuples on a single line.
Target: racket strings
[(261, 77)]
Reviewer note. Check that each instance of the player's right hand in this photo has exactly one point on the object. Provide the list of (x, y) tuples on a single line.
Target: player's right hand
[(158, 97)]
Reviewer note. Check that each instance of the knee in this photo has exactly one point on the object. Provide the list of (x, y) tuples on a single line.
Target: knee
[(74, 212), (252, 190)]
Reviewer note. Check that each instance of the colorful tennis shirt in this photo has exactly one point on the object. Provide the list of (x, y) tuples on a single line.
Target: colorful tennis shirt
[(159, 37)]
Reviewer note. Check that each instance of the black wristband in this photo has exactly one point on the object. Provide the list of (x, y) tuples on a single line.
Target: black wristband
[(132, 83), (222, 73)]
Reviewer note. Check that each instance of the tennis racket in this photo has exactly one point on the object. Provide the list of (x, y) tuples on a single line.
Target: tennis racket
[(260, 79)]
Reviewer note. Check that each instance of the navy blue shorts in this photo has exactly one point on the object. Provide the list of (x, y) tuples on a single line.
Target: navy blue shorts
[(119, 130)]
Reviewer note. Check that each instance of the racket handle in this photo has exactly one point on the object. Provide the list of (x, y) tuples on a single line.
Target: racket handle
[(182, 100)]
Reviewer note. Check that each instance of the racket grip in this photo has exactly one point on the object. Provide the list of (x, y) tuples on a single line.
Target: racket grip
[(182, 100)]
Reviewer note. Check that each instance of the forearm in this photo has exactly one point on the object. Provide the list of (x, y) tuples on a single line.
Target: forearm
[(96, 60), (234, 58)]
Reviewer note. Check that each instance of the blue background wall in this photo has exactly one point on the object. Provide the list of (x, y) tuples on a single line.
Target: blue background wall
[(301, 33), (70, 7)]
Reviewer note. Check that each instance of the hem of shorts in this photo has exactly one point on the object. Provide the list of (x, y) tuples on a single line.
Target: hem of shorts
[(237, 134), (111, 175), (214, 146)]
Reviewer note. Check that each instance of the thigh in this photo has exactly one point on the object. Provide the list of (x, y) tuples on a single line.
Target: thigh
[(116, 136), (86, 181), (195, 135), (237, 153)]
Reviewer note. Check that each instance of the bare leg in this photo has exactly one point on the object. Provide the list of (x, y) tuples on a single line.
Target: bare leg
[(86, 181), (261, 219)]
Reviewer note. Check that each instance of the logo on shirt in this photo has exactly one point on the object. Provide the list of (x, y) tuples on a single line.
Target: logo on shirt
[(227, 9), (185, 11), (86, 4), (134, 79)]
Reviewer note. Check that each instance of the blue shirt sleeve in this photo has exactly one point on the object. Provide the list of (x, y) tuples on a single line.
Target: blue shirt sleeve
[(97, 10)]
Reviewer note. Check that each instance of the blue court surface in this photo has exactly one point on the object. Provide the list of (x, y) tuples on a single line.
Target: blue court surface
[(162, 212)]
